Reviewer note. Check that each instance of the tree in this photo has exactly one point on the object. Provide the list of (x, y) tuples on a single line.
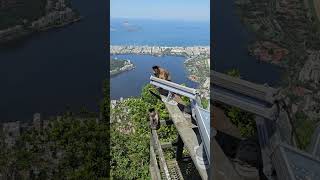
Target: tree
[(130, 138), (147, 96), (243, 120)]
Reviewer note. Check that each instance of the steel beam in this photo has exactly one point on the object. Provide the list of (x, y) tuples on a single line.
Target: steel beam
[(261, 92), (201, 115)]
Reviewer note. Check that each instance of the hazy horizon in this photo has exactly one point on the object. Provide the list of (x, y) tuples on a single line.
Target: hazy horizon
[(185, 10), (160, 19)]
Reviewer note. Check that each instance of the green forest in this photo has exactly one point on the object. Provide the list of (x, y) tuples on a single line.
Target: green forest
[(73, 147), (22, 12), (130, 135), (84, 147), (30, 10)]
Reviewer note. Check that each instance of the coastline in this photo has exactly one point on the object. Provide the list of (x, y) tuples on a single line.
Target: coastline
[(196, 60), (41, 25), (63, 24), (192, 55), (23, 56), (128, 66)]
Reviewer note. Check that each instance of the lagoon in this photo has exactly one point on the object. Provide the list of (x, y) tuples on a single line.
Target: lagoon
[(130, 83)]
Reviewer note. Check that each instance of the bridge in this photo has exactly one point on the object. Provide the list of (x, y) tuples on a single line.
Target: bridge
[(281, 159)]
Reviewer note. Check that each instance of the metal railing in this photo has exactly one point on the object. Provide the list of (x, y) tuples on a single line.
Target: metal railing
[(202, 116)]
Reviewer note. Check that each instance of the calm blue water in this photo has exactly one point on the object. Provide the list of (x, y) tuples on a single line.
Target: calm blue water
[(131, 82), (230, 39), (159, 32), (62, 67)]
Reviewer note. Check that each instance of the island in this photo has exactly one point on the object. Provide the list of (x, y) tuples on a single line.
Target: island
[(20, 18), (118, 66)]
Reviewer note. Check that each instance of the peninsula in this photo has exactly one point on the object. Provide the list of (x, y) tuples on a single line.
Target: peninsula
[(118, 66), (20, 18)]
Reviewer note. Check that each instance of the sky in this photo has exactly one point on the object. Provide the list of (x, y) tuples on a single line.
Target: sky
[(161, 9)]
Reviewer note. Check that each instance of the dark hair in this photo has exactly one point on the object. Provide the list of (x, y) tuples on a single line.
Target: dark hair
[(155, 67)]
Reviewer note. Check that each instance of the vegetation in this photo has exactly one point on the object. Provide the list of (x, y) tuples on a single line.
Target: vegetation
[(185, 99), (117, 64), (205, 103), (304, 128), (130, 135), (243, 120), (69, 148), (74, 147), (234, 73), (105, 103), (24, 10)]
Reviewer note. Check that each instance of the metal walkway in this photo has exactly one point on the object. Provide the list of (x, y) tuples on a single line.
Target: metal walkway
[(272, 118), (194, 137)]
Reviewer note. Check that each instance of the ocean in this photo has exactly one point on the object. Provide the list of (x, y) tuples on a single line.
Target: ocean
[(154, 33), (159, 32)]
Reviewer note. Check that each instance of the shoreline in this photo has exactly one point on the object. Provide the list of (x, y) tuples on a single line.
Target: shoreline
[(197, 65), (190, 76), (24, 32), (190, 53), (128, 66), (289, 36)]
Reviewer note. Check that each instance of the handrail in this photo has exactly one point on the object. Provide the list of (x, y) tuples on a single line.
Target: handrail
[(201, 115)]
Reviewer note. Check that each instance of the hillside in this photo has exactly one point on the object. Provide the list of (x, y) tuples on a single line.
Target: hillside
[(118, 66), (130, 135), (72, 146)]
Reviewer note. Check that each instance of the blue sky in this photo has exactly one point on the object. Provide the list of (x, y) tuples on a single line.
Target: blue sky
[(161, 9)]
